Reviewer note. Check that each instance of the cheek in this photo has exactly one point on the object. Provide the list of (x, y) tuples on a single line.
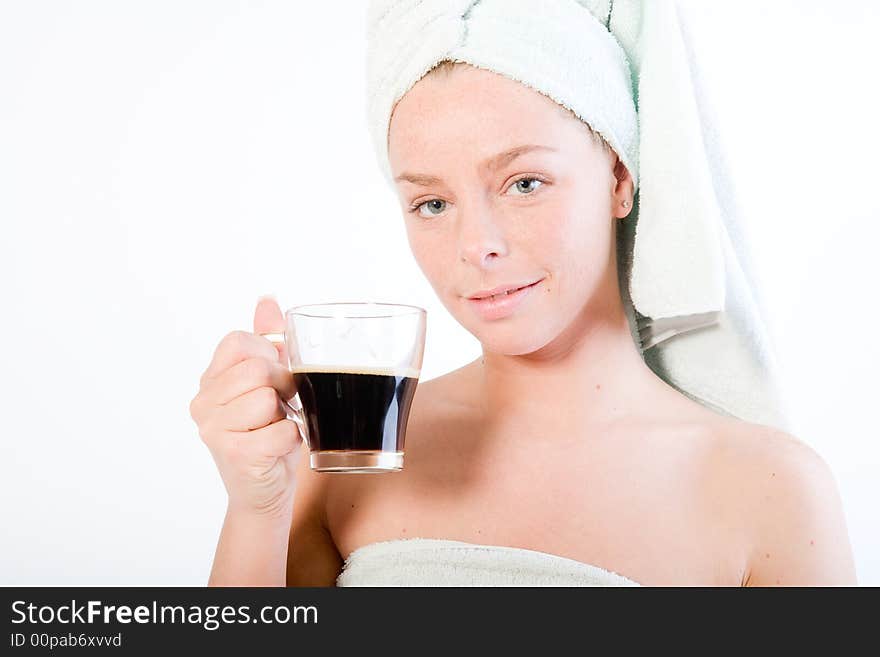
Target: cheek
[(575, 242), (430, 255), (552, 231)]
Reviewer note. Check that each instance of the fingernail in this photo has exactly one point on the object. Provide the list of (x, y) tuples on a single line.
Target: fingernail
[(267, 296)]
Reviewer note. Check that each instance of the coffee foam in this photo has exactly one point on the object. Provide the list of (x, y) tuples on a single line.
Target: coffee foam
[(356, 369)]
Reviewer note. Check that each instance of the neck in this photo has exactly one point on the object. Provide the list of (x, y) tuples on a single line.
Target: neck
[(591, 374)]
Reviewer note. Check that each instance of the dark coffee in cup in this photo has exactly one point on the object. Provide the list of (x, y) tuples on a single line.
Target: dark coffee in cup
[(355, 409)]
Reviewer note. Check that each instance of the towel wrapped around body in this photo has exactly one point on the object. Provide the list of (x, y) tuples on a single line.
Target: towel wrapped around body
[(441, 562)]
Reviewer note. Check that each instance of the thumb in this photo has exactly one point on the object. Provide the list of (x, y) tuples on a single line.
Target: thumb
[(268, 318)]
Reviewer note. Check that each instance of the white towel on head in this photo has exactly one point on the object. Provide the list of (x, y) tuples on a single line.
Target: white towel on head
[(408, 37), (625, 68)]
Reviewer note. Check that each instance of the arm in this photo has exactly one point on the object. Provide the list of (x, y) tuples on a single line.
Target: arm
[(252, 550), (289, 546), (800, 536)]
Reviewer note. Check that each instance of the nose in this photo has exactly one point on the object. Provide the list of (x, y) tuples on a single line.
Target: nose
[(480, 235)]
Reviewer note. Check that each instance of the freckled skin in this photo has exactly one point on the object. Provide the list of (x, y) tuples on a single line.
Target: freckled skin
[(513, 441)]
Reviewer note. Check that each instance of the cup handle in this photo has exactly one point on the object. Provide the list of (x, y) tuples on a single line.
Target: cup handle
[(293, 407)]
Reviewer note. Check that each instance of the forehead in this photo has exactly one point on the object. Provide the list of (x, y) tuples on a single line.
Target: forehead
[(472, 108)]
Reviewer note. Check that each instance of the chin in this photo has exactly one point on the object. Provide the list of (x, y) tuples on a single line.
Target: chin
[(515, 337), (509, 348), (523, 332)]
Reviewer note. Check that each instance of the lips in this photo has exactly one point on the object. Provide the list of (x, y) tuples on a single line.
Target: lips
[(499, 291), (501, 304), (492, 297)]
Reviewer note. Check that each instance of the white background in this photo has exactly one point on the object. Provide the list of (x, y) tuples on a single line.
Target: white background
[(164, 163)]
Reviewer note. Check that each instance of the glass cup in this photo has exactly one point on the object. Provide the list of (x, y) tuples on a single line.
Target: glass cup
[(356, 366)]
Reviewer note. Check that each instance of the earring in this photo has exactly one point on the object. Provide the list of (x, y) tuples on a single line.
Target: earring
[(625, 203)]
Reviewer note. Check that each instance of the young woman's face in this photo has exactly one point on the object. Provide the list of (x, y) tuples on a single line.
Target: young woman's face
[(479, 214)]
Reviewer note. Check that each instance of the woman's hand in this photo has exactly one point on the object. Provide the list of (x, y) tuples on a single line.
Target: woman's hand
[(242, 419)]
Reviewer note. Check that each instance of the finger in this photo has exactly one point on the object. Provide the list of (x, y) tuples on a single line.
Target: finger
[(277, 439), (268, 318), (236, 347), (247, 375), (252, 410)]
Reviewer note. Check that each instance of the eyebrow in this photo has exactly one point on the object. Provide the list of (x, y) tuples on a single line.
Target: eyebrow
[(492, 164)]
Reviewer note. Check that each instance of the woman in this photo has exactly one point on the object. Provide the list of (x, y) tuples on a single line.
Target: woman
[(559, 440)]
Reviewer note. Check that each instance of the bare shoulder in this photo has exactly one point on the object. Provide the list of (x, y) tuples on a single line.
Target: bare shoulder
[(792, 513), (454, 387), (442, 402), (753, 448)]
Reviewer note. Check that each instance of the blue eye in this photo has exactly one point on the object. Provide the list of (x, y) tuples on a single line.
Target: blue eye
[(435, 206), (525, 186)]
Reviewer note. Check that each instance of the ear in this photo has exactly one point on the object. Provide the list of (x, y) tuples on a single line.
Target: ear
[(623, 190)]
